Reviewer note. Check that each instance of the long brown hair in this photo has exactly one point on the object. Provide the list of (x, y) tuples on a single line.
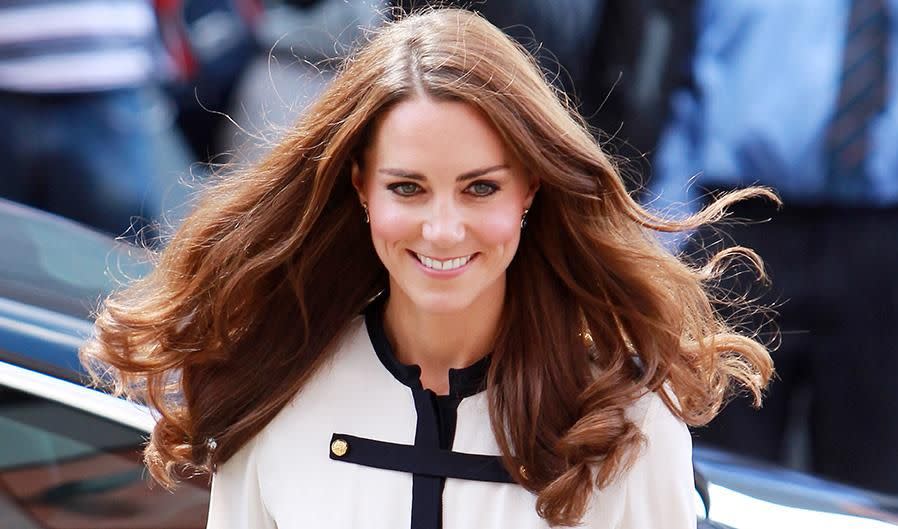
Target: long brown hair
[(276, 260)]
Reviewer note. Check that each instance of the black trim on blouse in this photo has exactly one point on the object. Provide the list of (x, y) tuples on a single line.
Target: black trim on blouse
[(417, 460), (431, 459)]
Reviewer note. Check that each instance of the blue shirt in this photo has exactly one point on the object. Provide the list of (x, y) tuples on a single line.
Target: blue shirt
[(766, 83)]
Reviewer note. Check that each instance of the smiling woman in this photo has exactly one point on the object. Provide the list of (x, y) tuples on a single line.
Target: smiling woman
[(433, 305)]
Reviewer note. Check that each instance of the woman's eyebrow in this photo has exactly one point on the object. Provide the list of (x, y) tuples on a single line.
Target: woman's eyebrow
[(411, 175)]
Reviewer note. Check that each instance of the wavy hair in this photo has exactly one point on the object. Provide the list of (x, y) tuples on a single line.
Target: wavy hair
[(275, 260)]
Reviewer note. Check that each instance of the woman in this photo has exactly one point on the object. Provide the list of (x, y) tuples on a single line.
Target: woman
[(433, 305)]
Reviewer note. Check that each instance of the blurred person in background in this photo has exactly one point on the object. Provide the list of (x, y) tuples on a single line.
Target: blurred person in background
[(212, 43), (300, 42), (76, 125), (619, 60), (801, 96), (640, 56)]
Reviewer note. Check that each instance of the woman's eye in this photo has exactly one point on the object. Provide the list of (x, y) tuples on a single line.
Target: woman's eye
[(405, 189), (482, 189)]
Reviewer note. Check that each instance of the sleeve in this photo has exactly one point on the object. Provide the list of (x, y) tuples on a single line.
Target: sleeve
[(236, 501), (659, 488)]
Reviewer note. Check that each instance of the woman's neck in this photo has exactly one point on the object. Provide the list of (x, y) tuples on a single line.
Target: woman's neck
[(437, 342)]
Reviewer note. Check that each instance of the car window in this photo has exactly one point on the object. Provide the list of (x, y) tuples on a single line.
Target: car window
[(53, 263), (64, 468)]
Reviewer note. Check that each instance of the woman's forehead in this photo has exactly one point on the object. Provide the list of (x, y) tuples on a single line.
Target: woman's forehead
[(435, 133)]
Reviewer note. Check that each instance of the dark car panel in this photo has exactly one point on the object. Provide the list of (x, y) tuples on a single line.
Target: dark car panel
[(41, 339), (770, 485)]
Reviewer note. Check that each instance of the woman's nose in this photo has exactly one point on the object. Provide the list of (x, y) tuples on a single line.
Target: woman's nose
[(445, 225)]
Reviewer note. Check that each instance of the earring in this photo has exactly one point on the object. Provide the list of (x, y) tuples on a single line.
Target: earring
[(365, 207), (211, 446), (524, 218)]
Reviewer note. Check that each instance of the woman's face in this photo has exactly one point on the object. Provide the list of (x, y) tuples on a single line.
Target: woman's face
[(445, 201)]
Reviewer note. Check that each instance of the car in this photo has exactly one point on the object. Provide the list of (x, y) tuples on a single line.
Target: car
[(70, 455)]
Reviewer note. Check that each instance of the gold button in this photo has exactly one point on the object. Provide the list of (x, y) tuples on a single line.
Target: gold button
[(339, 447)]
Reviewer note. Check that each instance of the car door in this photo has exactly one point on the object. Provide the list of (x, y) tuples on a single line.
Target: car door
[(64, 467)]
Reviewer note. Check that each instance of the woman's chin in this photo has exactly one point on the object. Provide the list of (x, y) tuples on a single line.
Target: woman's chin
[(440, 303)]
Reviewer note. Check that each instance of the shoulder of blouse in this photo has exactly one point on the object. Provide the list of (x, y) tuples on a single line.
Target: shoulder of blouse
[(656, 422), (659, 485)]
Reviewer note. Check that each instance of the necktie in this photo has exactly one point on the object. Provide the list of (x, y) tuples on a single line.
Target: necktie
[(862, 96)]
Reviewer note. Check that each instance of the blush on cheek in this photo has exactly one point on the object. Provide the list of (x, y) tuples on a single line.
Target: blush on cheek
[(498, 228), (389, 224)]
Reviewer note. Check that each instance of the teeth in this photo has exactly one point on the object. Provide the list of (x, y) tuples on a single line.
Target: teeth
[(449, 264)]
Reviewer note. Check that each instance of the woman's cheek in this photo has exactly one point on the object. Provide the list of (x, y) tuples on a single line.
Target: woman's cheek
[(499, 226), (391, 222)]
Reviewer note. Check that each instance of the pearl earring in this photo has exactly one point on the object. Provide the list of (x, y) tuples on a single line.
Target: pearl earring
[(524, 218)]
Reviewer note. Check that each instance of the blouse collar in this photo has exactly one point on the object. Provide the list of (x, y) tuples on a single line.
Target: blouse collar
[(463, 382)]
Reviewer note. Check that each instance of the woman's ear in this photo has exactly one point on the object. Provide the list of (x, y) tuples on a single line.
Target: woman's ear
[(531, 191), (358, 181)]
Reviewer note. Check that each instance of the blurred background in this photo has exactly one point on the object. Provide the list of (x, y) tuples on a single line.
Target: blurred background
[(113, 111)]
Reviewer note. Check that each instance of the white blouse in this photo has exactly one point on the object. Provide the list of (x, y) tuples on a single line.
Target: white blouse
[(364, 446)]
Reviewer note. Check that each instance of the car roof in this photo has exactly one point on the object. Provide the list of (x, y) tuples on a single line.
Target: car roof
[(53, 263), (53, 274)]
